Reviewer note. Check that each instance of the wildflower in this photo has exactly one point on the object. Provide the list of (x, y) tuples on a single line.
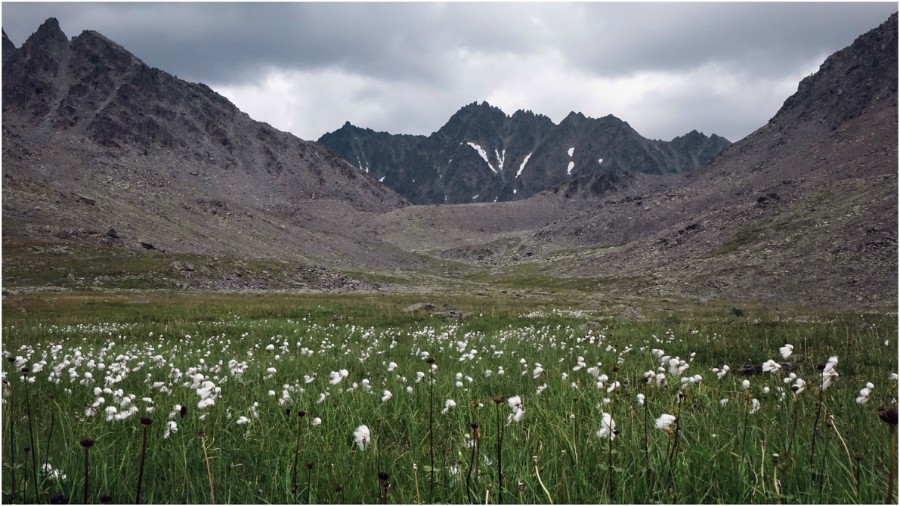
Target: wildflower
[(243, 420), (337, 376), (641, 399), (607, 427), (786, 350), (798, 386), (745, 384), (363, 437), (515, 403), (386, 396), (448, 405), (720, 373), (893, 376), (537, 371), (863, 395), (171, 428), (723, 402), (771, 366), (392, 366), (754, 406), (664, 421), (829, 374), (888, 416), (316, 422)]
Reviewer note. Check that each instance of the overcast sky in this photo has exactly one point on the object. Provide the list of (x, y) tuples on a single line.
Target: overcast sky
[(665, 68)]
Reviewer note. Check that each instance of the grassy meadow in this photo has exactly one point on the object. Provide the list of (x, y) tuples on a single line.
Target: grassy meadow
[(162, 397)]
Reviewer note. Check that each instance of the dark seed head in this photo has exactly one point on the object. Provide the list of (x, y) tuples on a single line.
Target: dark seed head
[(59, 499), (310, 465), (183, 410), (339, 489), (146, 421), (430, 360), (301, 413), (87, 442), (25, 370), (287, 412), (383, 476), (889, 416), (499, 399), (105, 499), (27, 449), (474, 426), (11, 359)]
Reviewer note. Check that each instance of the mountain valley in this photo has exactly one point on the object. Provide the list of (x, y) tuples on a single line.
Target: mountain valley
[(117, 175)]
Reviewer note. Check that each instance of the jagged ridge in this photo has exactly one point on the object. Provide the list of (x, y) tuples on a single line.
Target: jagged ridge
[(483, 155)]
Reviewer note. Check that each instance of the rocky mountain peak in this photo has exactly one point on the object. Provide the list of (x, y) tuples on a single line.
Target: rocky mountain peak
[(8, 47), (849, 81), (48, 34)]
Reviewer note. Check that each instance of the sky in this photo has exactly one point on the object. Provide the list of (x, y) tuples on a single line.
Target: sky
[(306, 68)]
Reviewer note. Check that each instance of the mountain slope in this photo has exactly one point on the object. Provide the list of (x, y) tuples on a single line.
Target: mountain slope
[(803, 209), (483, 155), (95, 140)]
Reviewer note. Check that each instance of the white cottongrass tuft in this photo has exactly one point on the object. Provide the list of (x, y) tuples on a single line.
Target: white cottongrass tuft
[(448, 405), (607, 427), (386, 396), (771, 366), (363, 437), (786, 350), (515, 403), (664, 421), (829, 374), (863, 396)]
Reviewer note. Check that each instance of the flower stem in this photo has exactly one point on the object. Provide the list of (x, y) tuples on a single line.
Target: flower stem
[(892, 464), (499, 458), (137, 499), (212, 492)]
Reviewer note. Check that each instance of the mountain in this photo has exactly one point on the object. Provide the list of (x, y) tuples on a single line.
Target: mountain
[(99, 146), (483, 155), (802, 210)]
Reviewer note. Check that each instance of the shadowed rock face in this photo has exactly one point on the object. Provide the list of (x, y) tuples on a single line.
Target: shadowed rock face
[(483, 155), (85, 120)]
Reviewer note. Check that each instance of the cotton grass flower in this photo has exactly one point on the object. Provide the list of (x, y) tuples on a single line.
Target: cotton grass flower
[(607, 427), (515, 403), (863, 396), (448, 405), (786, 350), (363, 437), (829, 374), (771, 366), (386, 396), (664, 422)]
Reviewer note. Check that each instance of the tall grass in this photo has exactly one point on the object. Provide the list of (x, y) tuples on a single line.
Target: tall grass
[(716, 452)]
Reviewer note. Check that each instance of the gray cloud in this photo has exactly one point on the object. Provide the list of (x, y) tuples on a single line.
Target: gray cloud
[(665, 68)]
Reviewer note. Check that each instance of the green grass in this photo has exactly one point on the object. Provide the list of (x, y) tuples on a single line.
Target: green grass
[(724, 455)]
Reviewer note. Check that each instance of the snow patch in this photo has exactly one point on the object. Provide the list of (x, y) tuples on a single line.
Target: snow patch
[(500, 158), (475, 197), (522, 167), (382, 179), (569, 169), (514, 191), (483, 155), (571, 151), (600, 161)]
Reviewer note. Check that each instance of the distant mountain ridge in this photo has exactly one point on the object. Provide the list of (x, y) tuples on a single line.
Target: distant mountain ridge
[(94, 140), (483, 155)]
